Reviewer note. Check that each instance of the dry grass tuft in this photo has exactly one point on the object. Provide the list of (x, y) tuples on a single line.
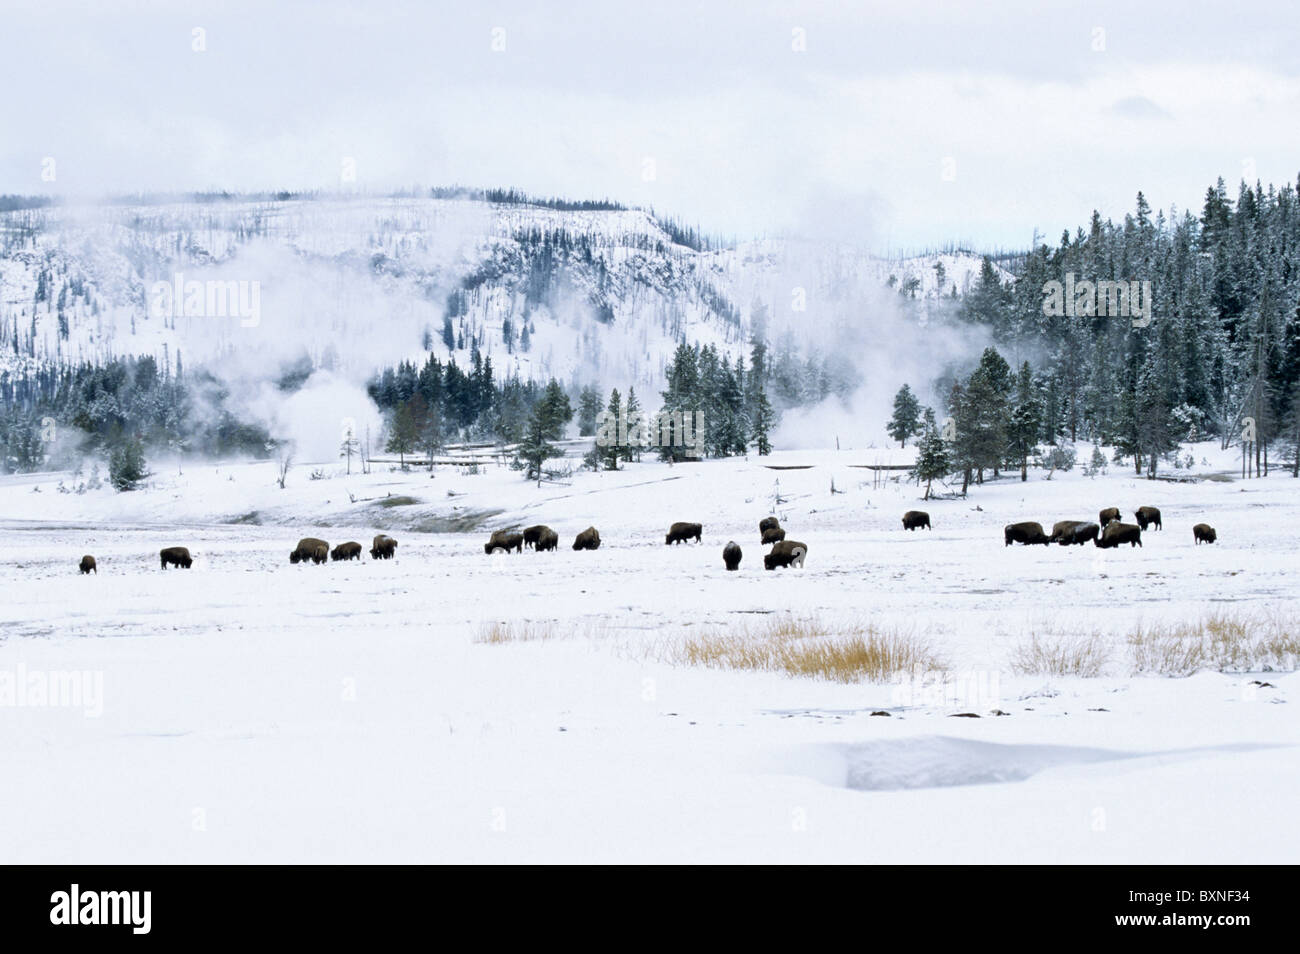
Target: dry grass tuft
[(1058, 653), (1222, 641), (807, 647), (500, 632)]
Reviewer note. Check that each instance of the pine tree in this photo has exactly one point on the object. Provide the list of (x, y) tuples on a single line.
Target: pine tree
[(906, 419), (402, 433), (535, 449), (126, 464), (588, 411), (1026, 418), (932, 462), (611, 452)]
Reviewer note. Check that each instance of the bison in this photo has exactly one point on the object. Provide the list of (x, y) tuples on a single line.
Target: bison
[(1116, 534), (766, 524), (310, 548), (549, 540), (915, 520), (533, 534), (1109, 515), (1027, 533), (506, 540), (589, 539), (785, 553), (731, 555), (88, 563), (773, 535), (346, 551), (681, 532), (178, 557), (1148, 516), (1067, 532), (1201, 533), (382, 547)]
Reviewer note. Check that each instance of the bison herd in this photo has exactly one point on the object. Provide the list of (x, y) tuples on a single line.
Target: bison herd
[(1109, 531)]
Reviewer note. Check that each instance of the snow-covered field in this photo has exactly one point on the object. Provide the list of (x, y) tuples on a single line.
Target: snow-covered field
[(256, 711)]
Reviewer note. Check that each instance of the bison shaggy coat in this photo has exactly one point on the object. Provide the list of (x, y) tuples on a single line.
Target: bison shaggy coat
[(548, 540), (178, 557), (1028, 532), (1204, 533), (731, 555), (766, 524), (774, 535), (785, 553), (589, 539), (915, 520), (1147, 517), (681, 532), (1117, 534), (88, 563), (506, 540), (308, 548), (1109, 515), (346, 551), (382, 547), (533, 534)]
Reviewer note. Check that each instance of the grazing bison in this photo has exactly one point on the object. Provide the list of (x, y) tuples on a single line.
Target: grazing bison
[(915, 520), (178, 557), (1061, 531), (1082, 533), (346, 551), (309, 548), (533, 534), (1201, 533), (785, 553), (1027, 533), (1109, 515), (382, 547), (681, 532), (589, 539), (731, 555), (548, 540), (773, 535), (768, 523), (88, 563), (506, 540), (1117, 534), (1148, 516)]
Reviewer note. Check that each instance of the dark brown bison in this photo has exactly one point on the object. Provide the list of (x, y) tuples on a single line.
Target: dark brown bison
[(88, 563), (915, 520), (533, 534), (549, 540), (346, 551), (1027, 533), (681, 532), (1062, 529), (1117, 534), (178, 557), (766, 524), (774, 535), (310, 548), (1148, 516), (785, 553), (382, 547), (1081, 534), (731, 555), (506, 540), (1201, 533), (589, 539), (1109, 515)]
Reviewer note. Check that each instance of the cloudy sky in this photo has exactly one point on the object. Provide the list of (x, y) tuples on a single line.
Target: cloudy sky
[(901, 125)]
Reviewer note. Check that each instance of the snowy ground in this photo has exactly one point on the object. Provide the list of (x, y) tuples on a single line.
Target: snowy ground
[(257, 711)]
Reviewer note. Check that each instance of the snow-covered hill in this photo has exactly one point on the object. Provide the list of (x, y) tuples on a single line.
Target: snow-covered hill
[(363, 282)]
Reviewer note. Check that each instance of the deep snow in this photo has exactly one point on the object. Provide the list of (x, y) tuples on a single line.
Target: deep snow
[(257, 711)]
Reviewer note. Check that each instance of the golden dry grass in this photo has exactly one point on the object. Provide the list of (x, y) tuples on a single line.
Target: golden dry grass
[(1050, 652), (807, 647), (500, 632), (1223, 641)]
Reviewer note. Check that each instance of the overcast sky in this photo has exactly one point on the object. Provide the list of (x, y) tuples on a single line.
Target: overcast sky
[(901, 124)]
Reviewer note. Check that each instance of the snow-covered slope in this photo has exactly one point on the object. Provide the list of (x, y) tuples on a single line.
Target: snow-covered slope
[(362, 282)]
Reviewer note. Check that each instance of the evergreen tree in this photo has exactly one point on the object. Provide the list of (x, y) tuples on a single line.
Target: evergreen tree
[(402, 433), (932, 462), (906, 419)]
